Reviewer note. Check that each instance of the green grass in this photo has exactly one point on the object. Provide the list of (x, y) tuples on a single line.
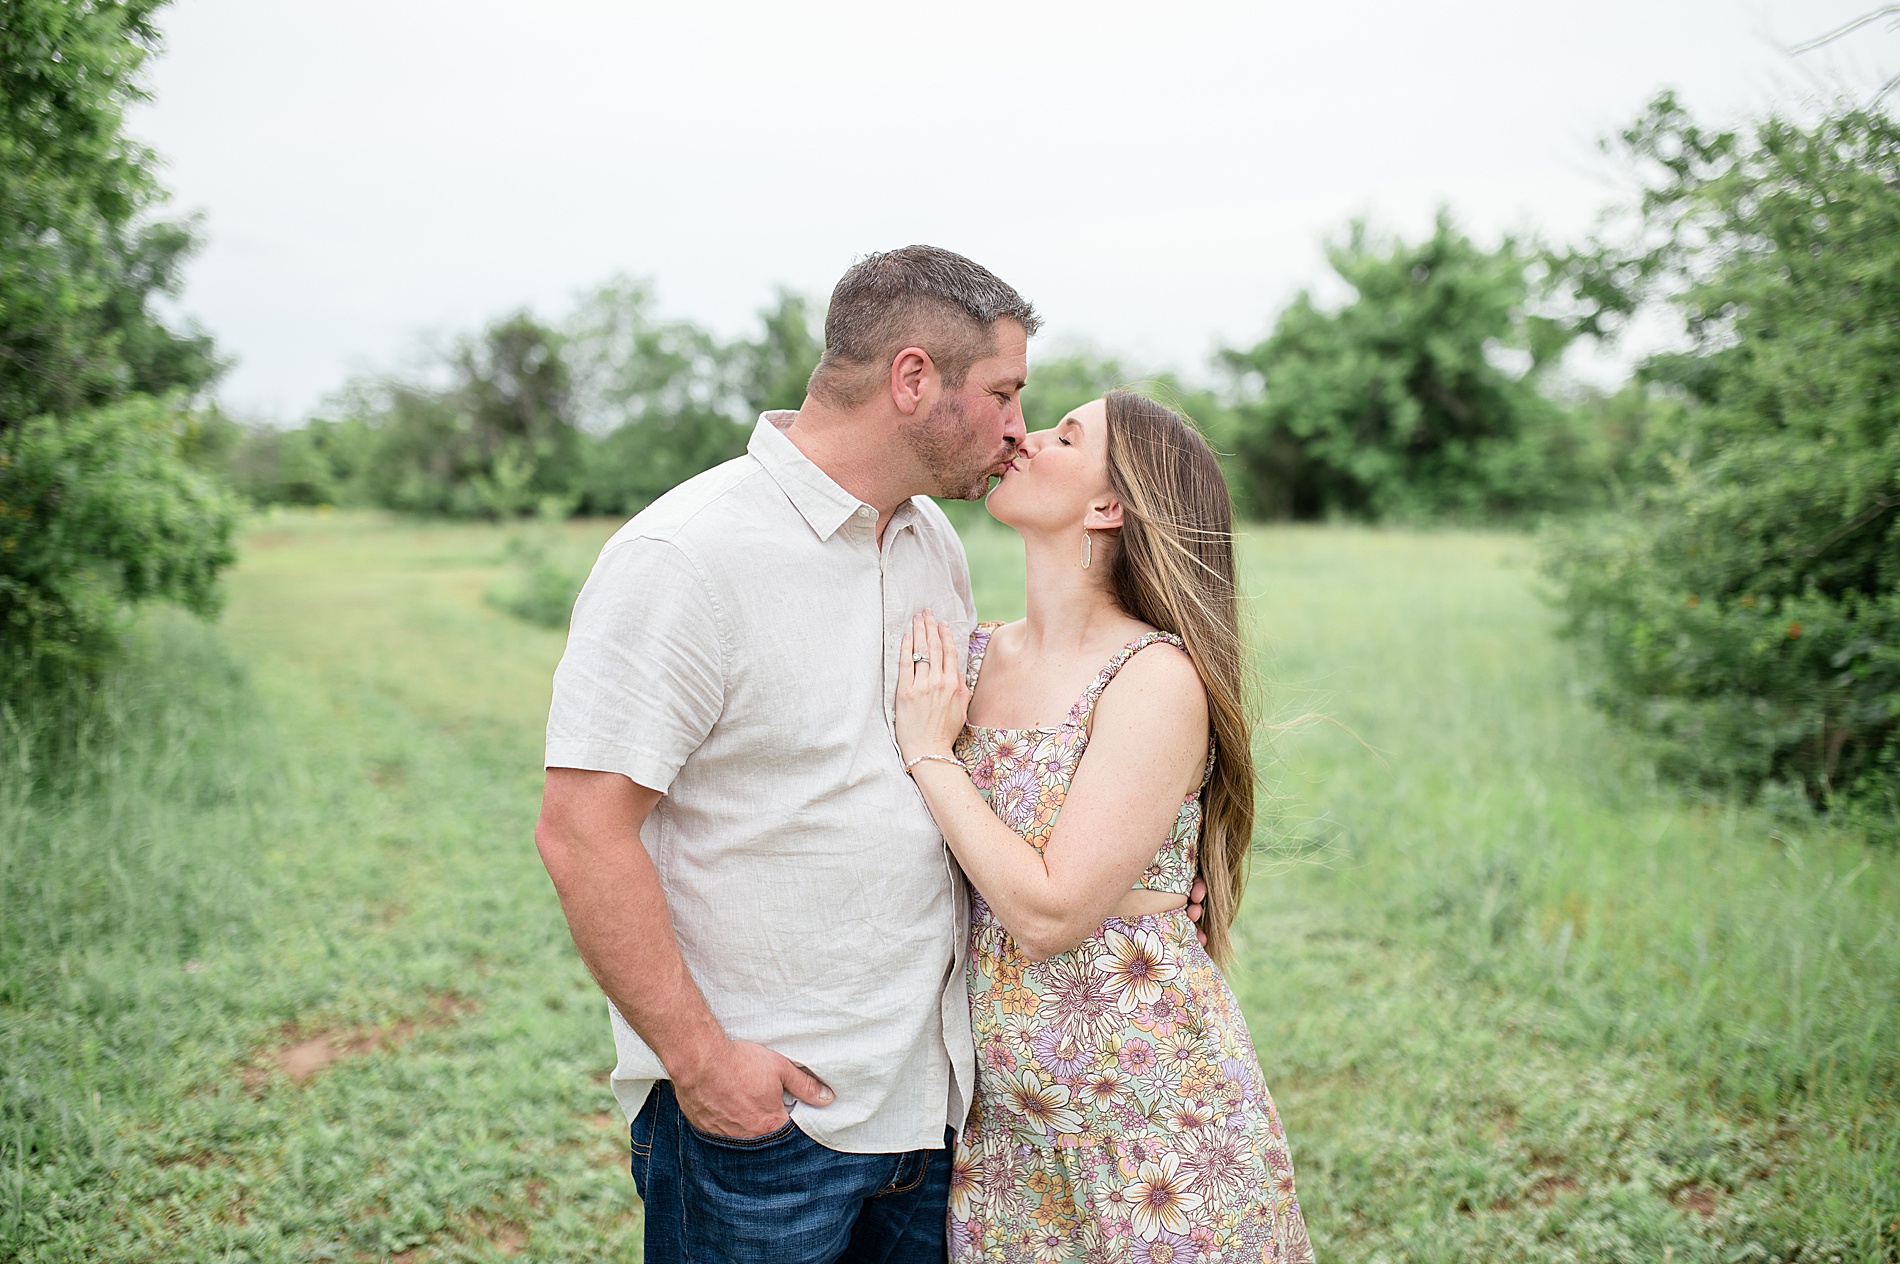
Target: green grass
[(1516, 1001)]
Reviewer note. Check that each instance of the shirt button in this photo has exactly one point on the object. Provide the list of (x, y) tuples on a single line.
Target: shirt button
[(865, 511)]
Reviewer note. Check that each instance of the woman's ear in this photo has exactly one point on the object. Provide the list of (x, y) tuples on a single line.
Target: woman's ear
[(1104, 515)]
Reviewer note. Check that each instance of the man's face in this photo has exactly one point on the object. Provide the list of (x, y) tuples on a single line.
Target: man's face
[(970, 434)]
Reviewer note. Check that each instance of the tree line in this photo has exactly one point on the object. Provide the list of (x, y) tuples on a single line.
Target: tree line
[(1723, 533)]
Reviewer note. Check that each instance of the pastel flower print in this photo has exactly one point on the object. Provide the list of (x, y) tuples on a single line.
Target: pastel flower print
[(1120, 1114), (1131, 1154), (1014, 796), (1044, 1107), (1052, 1245), (966, 1184), (1180, 1051), (1161, 1016), (1077, 999), (1100, 1088), (1165, 1248), (1001, 1182), (1061, 1054), (1136, 1057), (1160, 1198), (1137, 966), (1009, 747)]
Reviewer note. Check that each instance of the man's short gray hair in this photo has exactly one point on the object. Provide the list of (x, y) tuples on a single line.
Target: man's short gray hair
[(919, 296)]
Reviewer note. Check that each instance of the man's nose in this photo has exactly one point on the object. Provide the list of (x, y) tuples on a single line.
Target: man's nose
[(1014, 432)]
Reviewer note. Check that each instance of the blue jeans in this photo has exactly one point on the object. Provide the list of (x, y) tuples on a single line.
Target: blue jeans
[(782, 1198)]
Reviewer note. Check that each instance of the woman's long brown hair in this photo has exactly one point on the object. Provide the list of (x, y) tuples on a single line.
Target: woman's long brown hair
[(1173, 567)]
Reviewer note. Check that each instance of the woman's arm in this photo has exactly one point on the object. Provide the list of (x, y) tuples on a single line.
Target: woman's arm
[(1146, 750)]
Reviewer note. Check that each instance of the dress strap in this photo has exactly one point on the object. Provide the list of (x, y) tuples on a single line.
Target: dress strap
[(1084, 708), (979, 646)]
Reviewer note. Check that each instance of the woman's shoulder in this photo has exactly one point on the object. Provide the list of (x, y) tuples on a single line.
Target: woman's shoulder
[(1162, 657), (1161, 672)]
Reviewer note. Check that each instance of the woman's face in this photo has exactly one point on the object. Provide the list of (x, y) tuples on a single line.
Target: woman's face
[(1058, 474)]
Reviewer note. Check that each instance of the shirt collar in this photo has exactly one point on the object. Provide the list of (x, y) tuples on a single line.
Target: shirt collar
[(824, 505)]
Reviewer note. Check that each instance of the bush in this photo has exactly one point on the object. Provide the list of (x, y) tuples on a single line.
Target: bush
[(98, 508), (1746, 609), (98, 513), (1417, 399), (541, 591)]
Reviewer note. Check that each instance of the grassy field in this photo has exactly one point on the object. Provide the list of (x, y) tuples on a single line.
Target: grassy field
[(281, 978)]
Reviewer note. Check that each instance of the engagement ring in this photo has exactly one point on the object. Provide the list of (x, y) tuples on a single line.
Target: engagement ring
[(920, 658)]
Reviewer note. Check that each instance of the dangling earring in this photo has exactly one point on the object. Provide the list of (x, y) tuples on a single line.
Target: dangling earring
[(1088, 542)]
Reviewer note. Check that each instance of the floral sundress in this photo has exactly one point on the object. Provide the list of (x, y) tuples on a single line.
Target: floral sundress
[(1120, 1112)]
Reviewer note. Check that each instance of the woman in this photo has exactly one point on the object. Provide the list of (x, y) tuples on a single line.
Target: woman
[(1120, 1111)]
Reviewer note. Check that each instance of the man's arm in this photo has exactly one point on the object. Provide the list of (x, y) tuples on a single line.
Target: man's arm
[(589, 839)]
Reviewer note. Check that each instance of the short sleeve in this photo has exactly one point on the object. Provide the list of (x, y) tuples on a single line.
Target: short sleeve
[(642, 681)]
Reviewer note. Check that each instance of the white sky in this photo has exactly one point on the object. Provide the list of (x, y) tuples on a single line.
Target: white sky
[(1158, 178)]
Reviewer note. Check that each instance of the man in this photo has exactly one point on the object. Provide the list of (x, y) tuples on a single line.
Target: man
[(754, 883)]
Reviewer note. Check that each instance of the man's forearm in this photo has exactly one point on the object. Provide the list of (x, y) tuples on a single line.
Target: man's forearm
[(616, 910)]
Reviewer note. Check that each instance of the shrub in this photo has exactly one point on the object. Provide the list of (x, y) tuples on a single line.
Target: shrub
[(541, 591), (1419, 398), (1746, 609), (97, 512)]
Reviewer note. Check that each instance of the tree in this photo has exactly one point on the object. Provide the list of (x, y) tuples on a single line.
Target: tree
[(498, 440), (80, 258), (773, 371), (98, 509), (663, 396), (1418, 398), (1746, 609)]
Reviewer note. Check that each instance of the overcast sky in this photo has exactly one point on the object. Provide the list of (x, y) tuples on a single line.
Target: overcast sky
[(1157, 178)]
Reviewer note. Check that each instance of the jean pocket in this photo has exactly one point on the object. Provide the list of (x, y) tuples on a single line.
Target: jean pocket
[(778, 1134)]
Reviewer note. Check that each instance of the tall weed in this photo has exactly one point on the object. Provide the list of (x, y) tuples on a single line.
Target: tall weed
[(127, 815)]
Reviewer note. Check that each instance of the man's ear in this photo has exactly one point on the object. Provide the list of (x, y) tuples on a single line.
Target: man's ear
[(913, 379), (1104, 515)]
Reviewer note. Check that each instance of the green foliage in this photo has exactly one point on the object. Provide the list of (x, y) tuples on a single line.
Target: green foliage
[(1417, 399), (774, 369), (79, 258), (661, 395), (542, 589), (1059, 383), (498, 441), (599, 415), (97, 512), (319, 463), (1746, 609), (97, 507)]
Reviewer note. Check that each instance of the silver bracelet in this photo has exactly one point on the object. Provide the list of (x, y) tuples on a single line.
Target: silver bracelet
[(942, 759)]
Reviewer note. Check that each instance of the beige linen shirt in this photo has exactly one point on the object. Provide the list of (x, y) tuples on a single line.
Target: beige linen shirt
[(736, 647)]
